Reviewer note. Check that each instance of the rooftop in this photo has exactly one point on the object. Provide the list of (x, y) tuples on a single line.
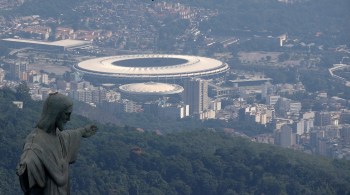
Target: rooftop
[(151, 88), (62, 43), (150, 65)]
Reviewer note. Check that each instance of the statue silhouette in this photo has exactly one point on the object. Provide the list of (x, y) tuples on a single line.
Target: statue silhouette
[(48, 150)]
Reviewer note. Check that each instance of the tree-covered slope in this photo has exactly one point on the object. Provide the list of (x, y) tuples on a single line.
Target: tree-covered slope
[(302, 18), (201, 162), (122, 160), (48, 8)]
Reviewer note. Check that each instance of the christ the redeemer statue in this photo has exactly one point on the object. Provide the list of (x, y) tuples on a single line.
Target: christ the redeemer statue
[(48, 150)]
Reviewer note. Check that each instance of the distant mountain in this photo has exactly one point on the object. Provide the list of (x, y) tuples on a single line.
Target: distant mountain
[(122, 160)]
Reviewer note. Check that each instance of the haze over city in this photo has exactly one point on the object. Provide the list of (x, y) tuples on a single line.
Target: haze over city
[(181, 90)]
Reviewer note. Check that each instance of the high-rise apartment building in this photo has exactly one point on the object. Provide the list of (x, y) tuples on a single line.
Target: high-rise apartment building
[(272, 99), (323, 119), (17, 70), (287, 137), (345, 134), (196, 95), (45, 78), (2, 75)]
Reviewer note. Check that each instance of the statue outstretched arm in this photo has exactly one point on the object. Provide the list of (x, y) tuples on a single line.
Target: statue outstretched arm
[(88, 130)]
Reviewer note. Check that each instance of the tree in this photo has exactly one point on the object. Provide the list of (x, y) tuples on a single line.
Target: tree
[(22, 92), (283, 57)]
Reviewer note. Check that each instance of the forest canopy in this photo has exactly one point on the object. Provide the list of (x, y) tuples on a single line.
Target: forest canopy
[(123, 160)]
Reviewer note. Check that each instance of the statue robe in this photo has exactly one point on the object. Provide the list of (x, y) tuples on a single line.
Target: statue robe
[(45, 161)]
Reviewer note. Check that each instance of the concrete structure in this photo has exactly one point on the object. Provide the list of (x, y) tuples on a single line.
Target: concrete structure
[(113, 96), (45, 78), (345, 134), (18, 70), (344, 116), (337, 67), (283, 38), (323, 119), (308, 125), (219, 91), (257, 113), (287, 137), (80, 85), (62, 45), (250, 82), (298, 127), (287, 108), (295, 108), (196, 95), (92, 95), (215, 105), (173, 111), (272, 99), (131, 106), (150, 67), (208, 114), (19, 104), (315, 135), (149, 91), (2, 75), (308, 118)]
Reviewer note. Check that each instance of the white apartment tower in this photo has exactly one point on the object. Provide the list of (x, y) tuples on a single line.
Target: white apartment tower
[(196, 95), (2, 75)]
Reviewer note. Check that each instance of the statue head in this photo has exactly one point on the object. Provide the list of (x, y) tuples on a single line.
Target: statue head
[(56, 112)]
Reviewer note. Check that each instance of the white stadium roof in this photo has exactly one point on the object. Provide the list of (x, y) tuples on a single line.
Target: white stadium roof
[(186, 66), (151, 88), (61, 43)]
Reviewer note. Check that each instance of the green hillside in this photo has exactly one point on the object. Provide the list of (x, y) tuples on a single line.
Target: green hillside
[(303, 19), (121, 160), (47, 8)]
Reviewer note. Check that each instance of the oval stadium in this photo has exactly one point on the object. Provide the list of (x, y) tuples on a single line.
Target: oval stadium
[(150, 67)]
